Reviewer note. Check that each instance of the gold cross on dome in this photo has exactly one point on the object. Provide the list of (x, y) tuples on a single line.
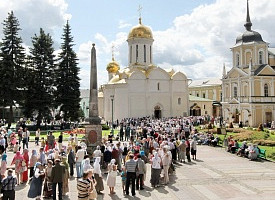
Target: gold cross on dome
[(139, 10), (113, 50)]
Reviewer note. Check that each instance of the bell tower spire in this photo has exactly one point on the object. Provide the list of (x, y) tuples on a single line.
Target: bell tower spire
[(248, 23)]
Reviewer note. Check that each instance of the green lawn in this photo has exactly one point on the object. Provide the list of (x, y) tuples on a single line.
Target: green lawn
[(252, 136)]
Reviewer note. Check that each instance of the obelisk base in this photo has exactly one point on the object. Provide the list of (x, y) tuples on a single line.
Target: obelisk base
[(93, 135)]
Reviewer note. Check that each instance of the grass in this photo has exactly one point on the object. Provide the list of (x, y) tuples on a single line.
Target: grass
[(264, 139)]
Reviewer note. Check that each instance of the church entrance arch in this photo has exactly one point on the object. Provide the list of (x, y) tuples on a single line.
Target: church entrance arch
[(195, 110), (157, 112)]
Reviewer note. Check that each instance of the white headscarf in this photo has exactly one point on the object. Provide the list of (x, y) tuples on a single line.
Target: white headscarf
[(113, 161), (87, 165), (97, 166)]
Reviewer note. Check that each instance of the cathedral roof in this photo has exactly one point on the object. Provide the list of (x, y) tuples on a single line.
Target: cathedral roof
[(140, 31), (249, 35), (206, 82)]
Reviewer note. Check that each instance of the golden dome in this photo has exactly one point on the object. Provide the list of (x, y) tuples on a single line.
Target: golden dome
[(140, 31), (113, 66)]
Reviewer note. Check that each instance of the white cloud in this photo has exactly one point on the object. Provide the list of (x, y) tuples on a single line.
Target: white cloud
[(33, 14), (197, 43), (123, 24)]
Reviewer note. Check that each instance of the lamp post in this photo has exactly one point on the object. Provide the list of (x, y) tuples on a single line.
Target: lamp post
[(112, 100)]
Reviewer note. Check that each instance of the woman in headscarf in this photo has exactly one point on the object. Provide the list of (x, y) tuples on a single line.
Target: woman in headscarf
[(33, 160), (26, 160), (98, 176), (111, 178), (86, 164), (3, 165), (156, 170), (36, 184), (65, 185), (47, 191), (19, 169)]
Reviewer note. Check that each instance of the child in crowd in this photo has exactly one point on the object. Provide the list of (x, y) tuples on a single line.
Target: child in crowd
[(43, 143), (123, 178)]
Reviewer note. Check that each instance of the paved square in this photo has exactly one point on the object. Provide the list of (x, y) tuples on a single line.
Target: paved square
[(215, 175)]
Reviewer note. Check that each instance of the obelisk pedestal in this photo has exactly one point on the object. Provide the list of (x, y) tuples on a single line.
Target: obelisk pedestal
[(93, 129)]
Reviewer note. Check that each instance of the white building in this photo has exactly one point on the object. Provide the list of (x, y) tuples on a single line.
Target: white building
[(142, 88)]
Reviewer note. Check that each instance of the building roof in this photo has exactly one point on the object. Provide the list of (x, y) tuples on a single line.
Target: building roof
[(194, 98), (271, 51), (206, 82)]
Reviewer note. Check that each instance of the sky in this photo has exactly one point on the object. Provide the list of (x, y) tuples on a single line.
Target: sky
[(193, 36)]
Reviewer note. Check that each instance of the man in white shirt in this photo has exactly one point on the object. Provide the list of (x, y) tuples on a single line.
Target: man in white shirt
[(78, 161), (26, 135)]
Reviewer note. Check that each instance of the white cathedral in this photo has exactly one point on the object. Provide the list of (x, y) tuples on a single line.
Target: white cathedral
[(142, 88)]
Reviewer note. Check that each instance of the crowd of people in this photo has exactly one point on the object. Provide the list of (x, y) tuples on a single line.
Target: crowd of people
[(159, 143)]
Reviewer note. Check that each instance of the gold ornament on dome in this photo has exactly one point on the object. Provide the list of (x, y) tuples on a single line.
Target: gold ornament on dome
[(140, 31), (113, 67)]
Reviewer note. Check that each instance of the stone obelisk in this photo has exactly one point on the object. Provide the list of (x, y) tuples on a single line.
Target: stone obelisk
[(93, 129)]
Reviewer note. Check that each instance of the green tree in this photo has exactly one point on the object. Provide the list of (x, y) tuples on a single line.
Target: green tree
[(67, 78), (43, 66), (12, 58)]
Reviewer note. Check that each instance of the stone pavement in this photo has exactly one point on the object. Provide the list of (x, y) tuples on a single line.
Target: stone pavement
[(215, 175)]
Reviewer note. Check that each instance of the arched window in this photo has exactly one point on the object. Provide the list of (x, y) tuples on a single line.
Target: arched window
[(179, 101), (261, 57), (144, 53), (238, 60), (158, 86), (265, 90), (136, 53), (235, 92), (131, 49)]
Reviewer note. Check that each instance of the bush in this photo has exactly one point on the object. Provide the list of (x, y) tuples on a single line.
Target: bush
[(270, 143), (105, 127)]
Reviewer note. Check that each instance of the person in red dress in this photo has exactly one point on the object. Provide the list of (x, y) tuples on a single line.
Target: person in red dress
[(26, 159)]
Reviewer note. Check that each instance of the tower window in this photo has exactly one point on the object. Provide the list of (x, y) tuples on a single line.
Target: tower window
[(179, 101), (238, 60), (198, 95), (203, 106), (150, 54), (145, 53), (131, 48), (203, 95), (136, 53), (265, 90), (235, 92), (158, 86), (261, 56)]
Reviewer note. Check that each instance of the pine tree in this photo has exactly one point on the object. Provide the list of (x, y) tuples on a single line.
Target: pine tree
[(43, 64), (12, 70), (67, 79)]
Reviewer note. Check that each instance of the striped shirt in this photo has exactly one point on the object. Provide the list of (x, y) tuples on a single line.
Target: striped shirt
[(131, 165), (83, 187)]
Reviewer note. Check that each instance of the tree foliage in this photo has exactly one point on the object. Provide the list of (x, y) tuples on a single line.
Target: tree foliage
[(12, 58), (43, 67), (67, 78)]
